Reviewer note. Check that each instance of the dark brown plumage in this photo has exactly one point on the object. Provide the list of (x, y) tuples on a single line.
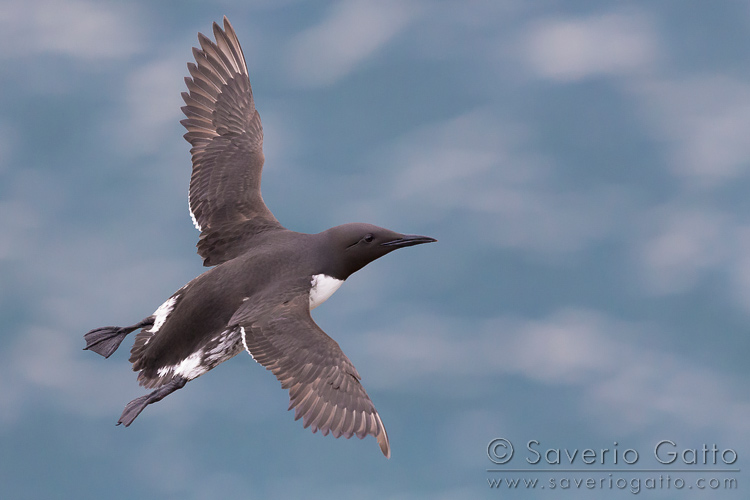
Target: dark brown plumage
[(226, 136), (266, 278)]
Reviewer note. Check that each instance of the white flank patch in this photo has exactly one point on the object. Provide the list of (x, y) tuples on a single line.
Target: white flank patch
[(188, 368), (323, 287), (244, 342), (160, 315)]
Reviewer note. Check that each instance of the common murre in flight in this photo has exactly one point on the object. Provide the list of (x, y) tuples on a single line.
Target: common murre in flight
[(266, 278)]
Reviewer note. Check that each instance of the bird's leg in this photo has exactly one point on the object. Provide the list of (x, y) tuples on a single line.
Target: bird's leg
[(107, 339), (135, 407)]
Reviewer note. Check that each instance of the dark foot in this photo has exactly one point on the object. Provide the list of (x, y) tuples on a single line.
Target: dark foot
[(135, 407), (107, 339)]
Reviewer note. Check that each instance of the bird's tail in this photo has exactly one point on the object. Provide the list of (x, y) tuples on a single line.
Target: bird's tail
[(107, 339)]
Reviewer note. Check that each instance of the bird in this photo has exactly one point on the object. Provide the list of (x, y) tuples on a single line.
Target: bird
[(263, 279)]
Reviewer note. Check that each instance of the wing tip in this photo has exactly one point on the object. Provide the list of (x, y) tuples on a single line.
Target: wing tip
[(385, 447), (382, 437)]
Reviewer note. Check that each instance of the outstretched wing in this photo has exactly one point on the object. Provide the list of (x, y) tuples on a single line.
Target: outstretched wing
[(324, 387), (224, 130)]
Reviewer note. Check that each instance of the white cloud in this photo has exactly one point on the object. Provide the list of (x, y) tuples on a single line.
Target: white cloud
[(682, 244), (477, 165), (8, 141), (566, 348), (20, 219), (45, 363), (649, 386), (623, 382), (75, 280), (43, 368), (572, 49), (704, 122), (150, 107), (740, 275), (76, 28), (22, 214), (353, 31)]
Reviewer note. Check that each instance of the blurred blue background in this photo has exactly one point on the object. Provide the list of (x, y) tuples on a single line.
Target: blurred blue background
[(584, 165)]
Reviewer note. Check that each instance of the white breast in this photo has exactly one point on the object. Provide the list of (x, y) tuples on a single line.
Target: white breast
[(323, 287)]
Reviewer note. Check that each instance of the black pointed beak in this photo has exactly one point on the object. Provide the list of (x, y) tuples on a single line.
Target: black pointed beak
[(408, 240)]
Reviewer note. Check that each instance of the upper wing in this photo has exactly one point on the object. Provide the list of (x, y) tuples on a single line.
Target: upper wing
[(324, 387), (224, 130)]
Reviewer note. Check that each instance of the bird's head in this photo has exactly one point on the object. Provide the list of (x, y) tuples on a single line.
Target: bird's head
[(353, 246)]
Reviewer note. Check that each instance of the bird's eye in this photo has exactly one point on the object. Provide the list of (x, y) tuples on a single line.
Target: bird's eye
[(368, 238)]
